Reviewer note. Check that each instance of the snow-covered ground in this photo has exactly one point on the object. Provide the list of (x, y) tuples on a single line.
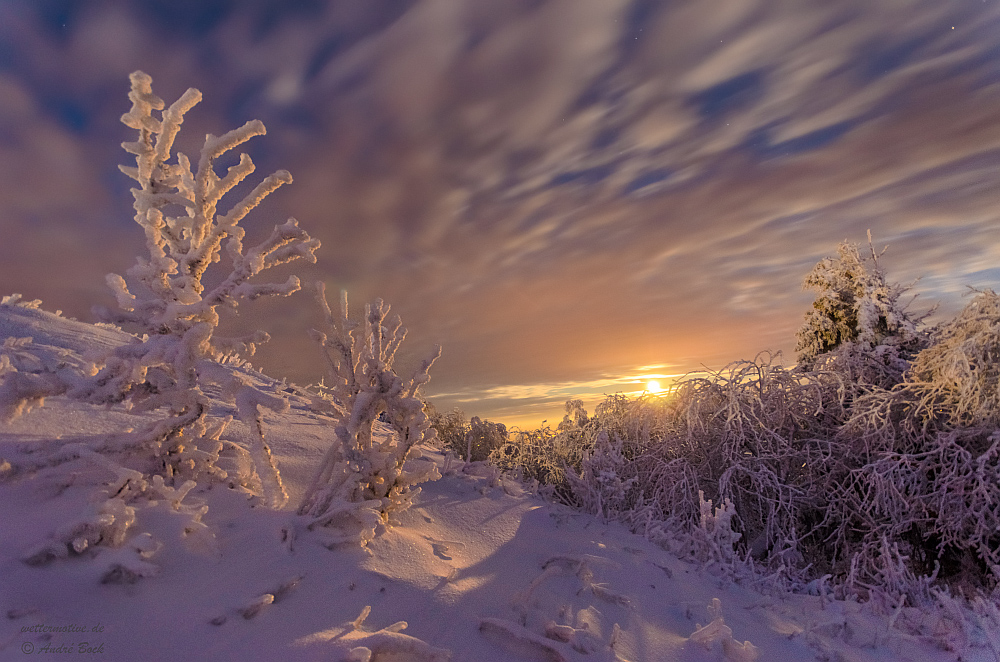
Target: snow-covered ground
[(478, 569)]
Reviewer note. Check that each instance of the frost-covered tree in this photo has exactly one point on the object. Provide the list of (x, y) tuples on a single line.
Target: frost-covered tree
[(368, 473), (166, 299), (166, 303), (858, 320), (174, 354)]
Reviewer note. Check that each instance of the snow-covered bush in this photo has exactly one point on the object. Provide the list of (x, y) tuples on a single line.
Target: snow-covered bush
[(753, 438), (369, 473), (450, 427), (541, 455), (928, 451), (482, 438), (473, 441), (753, 435), (858, 324), (960, 370), (601, 486)]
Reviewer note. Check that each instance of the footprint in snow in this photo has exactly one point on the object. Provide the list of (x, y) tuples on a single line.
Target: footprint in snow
[(442, 548)]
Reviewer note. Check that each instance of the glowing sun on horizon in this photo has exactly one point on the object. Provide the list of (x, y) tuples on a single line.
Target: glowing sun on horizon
[(653, 386)]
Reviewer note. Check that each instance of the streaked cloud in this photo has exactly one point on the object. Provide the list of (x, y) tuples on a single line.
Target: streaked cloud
[(557, 191)]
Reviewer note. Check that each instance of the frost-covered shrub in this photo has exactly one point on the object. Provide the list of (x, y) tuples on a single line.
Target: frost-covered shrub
[(961, 370), (601, 487), (752, 434), (481, 439), (928, 468), (473, 441), (576, 417), (541, 455), (367, 475), (450, 427), (753, 438), (858, 324)]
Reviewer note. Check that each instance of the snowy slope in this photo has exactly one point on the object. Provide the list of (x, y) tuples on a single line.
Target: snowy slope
[(478, 569)]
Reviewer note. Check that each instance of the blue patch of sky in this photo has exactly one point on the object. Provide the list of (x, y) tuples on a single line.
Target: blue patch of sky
[(244, 100), (68, 112), (879, 58), (733, 94), (987, 59), (118, 187), (273, 14), (984, 278), (592, 175), (606, 137), (9, 59), (302, 117), (601, 90), (327, 51), (647, 179), (759, 141), (334, 45), (353, 81), (188, 18), (636, 23), (57, 16)]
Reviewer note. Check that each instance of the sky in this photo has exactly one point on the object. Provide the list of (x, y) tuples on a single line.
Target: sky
[(570, 196)]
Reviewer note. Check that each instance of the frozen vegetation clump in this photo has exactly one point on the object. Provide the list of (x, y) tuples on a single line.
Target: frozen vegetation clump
[(482, 438), (450, 427), (931, 479), (473, 441), (873, 466), (370, 473), (176, 353), (858, 325)]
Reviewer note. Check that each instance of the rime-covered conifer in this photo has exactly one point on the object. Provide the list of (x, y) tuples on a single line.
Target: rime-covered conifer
[(858, 324)]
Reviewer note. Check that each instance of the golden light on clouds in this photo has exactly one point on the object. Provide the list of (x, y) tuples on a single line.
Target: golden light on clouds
[(563, 215)]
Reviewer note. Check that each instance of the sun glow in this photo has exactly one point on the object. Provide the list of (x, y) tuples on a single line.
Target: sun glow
[(653, 386)]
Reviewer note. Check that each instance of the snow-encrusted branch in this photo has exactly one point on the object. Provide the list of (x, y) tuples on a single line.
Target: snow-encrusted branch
[(167, 292)]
